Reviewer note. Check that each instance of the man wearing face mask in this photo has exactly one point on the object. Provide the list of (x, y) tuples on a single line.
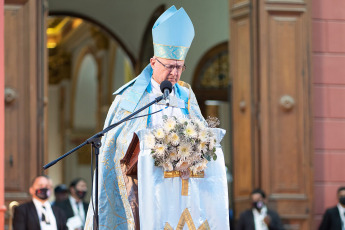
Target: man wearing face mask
[(334, 218), (38, 213), (74, 207), (259, 217)]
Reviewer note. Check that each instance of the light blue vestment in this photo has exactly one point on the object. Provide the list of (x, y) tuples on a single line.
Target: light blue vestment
[(114, 209)]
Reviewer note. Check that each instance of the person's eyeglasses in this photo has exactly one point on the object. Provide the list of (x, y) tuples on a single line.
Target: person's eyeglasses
[(179, 68)]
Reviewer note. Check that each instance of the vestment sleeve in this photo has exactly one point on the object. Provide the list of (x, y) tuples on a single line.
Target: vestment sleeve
[(193, 106)]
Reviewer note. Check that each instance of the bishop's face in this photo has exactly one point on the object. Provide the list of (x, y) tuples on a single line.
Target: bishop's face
[(166, 69)]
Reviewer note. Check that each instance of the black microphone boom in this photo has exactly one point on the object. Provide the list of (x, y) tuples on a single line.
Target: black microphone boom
[(166, 88)]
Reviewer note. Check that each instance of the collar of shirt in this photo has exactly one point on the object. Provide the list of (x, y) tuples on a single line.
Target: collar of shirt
[(49, 212), (156, 88), (342, 213), (263, 211), (78, 211), (73, 202), (259, 218), (39, 205)]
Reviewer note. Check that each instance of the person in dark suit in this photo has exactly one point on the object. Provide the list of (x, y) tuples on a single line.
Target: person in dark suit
[(259, 217), (74, 207), (38, 213), (334, 218)]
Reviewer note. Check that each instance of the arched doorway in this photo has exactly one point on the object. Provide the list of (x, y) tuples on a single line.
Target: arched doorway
[(86, 65)]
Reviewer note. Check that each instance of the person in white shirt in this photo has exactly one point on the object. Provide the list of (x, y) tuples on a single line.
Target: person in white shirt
[(259, 217), (38, 213), (74, 207)]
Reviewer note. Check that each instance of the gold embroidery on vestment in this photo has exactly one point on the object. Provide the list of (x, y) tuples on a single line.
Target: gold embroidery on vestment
[(185, 182), (187, 218)]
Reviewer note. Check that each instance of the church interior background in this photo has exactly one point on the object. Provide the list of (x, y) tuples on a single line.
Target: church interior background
[(250, 64)]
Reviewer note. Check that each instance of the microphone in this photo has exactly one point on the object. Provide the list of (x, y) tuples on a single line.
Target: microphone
[(166, 88)]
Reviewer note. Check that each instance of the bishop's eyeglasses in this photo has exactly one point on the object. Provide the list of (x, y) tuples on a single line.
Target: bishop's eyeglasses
[(179, 68)]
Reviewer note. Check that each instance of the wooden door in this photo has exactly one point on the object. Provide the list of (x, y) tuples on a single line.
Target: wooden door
[(24, 96), (271, 65), (245, 150), (285, 95)]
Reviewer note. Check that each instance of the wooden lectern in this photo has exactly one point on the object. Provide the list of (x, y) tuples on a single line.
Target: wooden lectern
[(130, 160)]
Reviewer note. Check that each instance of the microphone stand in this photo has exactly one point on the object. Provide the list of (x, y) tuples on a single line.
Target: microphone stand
[(95, 141)]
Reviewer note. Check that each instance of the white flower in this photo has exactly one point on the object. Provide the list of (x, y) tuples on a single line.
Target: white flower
[(182, 165), (200, 124), (198, 168), (204, 163), (159, 133), (174, 139), (190, 131), (203, 135), (169, 124), (212, 143), (160, 150), (183, 120), (173, 156), (184, 150), (168, 166), (150, 141), (181, 144), (202, 146)]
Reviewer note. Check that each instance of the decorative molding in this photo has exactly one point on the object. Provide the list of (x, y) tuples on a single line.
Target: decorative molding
[(240, 10), (286, 1), (288, 197), (241, 5), (16, 2), (12, 7), (59, 64), (100, 38), (283, 9), (17, 195), (298, 217)]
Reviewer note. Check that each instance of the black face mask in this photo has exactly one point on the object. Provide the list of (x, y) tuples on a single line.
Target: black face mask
[(342, 200), (43, 193), (258, 205), (80, 194)]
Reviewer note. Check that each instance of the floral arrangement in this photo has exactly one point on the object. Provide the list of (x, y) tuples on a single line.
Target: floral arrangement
[(181, 144)]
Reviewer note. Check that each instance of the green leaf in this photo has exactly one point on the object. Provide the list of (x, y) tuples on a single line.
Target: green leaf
[(208, 157), (215, 157)]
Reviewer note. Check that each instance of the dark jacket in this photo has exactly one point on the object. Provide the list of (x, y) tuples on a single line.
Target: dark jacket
[(331, 220), (67, 207), (26, 218), (246, 221)]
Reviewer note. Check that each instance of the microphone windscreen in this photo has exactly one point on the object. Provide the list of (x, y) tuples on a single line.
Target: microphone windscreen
[(166, 85)]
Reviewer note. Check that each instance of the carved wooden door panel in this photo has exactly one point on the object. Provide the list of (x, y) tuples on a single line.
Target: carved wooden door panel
[(285, 96), (24, 97)]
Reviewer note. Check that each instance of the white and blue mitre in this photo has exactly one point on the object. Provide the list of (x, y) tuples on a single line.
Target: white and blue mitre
[(172, 33)]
